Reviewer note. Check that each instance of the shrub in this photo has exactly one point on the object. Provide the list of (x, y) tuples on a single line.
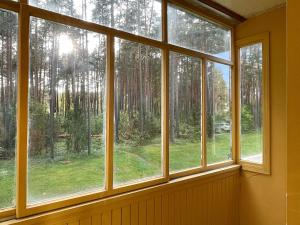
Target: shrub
[(247, 119), (75, 126), (38, 128), (130, 128), (8, 130)]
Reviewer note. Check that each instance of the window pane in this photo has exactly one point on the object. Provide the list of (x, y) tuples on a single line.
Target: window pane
[(137, 149), (8, 97), (141, 17), (194, 32), (185, 112), (66, 111), (218, 112), (251, 103)]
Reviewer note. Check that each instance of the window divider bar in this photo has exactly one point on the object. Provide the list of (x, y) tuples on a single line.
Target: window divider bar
[(189, 6), (165, 112), (7, 214), (165, 92), (266, 103), (9, 5), (235, 136), (198, 54), (24, 2), (237, 107), (164, 21), (203, 112), (22, 110), (110, 111)]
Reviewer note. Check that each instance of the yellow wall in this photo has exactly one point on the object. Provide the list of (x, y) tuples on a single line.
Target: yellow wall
[(262, 197), (293, 112)]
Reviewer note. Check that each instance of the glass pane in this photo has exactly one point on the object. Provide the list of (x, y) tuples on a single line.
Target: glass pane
[(218, 112), (137, 149), (194, 32), (8, 97), (251, 103), (141, 17), (66, 111), (185, 112)]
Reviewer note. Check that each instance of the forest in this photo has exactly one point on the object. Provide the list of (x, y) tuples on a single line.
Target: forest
[(67, 97)]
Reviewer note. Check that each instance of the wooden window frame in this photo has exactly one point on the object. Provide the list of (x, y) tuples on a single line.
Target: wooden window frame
[(265, 166), (25, 11)]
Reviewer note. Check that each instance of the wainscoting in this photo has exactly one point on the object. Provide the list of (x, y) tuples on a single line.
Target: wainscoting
[(209, 198)]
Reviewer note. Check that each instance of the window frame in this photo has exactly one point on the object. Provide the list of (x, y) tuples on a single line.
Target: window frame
[(265, 166), (25, 11)]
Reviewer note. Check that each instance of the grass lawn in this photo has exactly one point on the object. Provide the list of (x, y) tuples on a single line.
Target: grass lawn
[(51, 179)]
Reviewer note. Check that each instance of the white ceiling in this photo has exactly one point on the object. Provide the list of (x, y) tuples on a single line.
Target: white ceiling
[(249, 8)]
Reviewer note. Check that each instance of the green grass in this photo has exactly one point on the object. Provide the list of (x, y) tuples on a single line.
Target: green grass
[(251, 143), (7, 183), (63, 177)]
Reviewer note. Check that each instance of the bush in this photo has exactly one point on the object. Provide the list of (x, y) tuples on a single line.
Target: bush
[(38, 128), (8, 130), (130, 128), (97, 125), (75, 126), (247, 119), (190, 132)]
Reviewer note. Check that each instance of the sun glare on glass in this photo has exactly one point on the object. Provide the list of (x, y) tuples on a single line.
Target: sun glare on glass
[(65, 45)]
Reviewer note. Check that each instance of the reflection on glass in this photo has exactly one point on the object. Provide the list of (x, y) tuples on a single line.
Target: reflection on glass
[(137, 121), (218, 112), (194, 32), (185, 112), (141, 17), (8, 97), (66, 111), (251, 103)]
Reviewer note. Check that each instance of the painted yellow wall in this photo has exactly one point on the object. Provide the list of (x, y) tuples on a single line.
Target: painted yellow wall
[(262, 197), (293, 112)]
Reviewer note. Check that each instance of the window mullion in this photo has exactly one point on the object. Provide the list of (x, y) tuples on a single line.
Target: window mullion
[(22, 110), (165, 21), (9, 5), (110, 112), (24, 2), (165, 110), (165, 91), (203, 112)]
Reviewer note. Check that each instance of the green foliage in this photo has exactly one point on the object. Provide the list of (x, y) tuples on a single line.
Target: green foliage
[(8, 132), (75, 126), (97, 124), (130, 128), (247, 119), (190, 129), (38, 128), (210, 126)]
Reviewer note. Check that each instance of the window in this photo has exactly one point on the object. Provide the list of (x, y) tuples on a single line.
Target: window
[(194, 32), (105, 104), (138, 149), (66, 144), (136, 16), (253, 103), (8, 87), (185, 112), (218, 113)]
